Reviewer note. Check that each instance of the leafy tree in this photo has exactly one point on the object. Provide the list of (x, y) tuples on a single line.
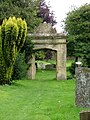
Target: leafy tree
[(27, 48), (46, 14), (12, 37), (26, 9), (77, 26)]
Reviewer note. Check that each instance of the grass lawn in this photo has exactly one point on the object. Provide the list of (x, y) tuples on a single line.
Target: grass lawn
[(42, 99)]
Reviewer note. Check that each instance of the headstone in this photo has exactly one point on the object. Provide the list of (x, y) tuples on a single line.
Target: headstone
[(49, 66), (82, 87), (85, 115), (42, 65)]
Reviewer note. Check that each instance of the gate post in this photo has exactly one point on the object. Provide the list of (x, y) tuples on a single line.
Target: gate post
[(61, 62)]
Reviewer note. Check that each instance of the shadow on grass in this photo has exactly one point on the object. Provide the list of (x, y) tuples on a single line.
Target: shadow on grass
[(17, 84)]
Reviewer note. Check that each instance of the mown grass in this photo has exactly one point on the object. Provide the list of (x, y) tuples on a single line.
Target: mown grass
[(44, 98)]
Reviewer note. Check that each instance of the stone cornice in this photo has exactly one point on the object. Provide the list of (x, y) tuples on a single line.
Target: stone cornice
[(47, 36)]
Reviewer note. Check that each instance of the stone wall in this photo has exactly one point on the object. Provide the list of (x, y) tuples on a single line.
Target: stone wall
[(82, 87)]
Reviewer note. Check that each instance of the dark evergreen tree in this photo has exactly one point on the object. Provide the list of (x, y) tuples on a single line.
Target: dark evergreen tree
[(12, 37)]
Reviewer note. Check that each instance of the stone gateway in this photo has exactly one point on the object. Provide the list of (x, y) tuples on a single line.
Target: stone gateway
[(47, 39)]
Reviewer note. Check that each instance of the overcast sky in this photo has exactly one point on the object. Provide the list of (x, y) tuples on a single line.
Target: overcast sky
[(62, 7)]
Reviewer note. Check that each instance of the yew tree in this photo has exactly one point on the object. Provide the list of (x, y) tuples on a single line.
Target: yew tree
[(12, 37)]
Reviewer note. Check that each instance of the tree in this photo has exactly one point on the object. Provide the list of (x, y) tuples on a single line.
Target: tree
[(77, 26), (12, 37), (26, 9), (46, 14)]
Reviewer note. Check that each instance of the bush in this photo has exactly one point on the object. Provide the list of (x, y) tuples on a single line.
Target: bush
[(20, 67), (12, 37), (72, 69)]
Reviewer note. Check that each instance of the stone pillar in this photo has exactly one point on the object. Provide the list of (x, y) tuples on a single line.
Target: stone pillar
[(61, 62), (32, 69), (82, 87), (85, 115)]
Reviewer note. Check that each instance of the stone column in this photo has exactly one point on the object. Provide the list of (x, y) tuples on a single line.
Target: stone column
[(61, 62), (32, 68)]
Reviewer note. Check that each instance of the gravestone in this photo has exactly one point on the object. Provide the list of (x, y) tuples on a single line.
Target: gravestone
[(82, 87), (85, 115), (49, 66), (41, 65)]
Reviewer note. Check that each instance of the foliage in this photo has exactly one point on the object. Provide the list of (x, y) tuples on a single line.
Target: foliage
[(48, 54), (26, 9), (27, 48), (77, 26), (72, 70), (40, 55), (20, 67), (43, 54), (13, 33), (46, 14)]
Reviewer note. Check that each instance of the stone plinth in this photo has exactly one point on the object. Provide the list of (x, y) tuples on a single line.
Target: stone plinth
[(82, 87)]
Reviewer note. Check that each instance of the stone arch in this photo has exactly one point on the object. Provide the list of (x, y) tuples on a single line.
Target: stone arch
[(51, 41)]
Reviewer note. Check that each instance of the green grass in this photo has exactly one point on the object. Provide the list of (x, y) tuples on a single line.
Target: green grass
[(69, 62), (42, 99)]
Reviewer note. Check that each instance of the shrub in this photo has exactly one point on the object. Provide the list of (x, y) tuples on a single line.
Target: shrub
[(20, 67), (72, 69), (13, 33)]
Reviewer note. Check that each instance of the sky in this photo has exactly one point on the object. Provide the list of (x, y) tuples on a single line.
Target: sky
[(62, 7)]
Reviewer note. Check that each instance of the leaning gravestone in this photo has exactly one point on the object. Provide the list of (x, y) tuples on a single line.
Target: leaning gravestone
[(82, 87)]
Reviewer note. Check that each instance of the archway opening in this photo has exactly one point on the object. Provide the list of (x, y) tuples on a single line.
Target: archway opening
[(45, 61)]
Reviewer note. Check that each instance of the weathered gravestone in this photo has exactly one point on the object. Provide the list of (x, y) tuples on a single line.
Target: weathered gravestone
[(41, 65), (82, 87), (85, 115)]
